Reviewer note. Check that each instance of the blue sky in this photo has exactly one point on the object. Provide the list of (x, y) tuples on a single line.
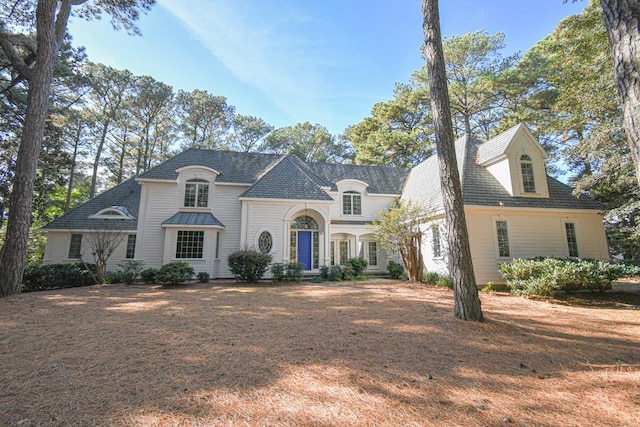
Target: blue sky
[(289, 61)]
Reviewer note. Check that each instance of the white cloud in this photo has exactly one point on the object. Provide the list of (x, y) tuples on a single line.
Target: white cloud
[(265, 45)]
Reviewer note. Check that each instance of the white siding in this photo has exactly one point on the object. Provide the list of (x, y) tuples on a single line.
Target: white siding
[(539, 233), (432, 263), (502, 173)]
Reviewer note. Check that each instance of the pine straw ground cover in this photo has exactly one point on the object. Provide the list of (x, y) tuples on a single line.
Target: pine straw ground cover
[(317, 355)]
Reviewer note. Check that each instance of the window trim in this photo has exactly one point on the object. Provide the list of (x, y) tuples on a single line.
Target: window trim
[(435, 232), (199, 184), (351, 196), (525, 160), (575, 239), (201, 249), (257, 241), (130, 250), (78, 250), (497, 238), (375, 253)]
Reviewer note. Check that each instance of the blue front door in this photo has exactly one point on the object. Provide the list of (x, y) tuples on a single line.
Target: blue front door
[(304, 249)]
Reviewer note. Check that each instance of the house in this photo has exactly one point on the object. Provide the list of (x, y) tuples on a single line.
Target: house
[(202, 205)]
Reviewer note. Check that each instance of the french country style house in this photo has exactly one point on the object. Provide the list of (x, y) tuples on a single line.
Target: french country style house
[(201, 205)]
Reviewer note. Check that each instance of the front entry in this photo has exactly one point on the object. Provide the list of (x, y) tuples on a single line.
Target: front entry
[(304, 249)]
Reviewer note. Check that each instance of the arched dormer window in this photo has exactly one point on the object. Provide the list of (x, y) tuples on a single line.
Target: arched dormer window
[(196, 193), (528, 182), (114, 212), (351, 203)]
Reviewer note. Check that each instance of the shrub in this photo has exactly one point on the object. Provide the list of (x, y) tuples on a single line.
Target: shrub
[(203, 277), (546, 276), (287, 272), (357, 265), (174, 273), (395, 269), (149, 275), (57, 276), (347, 272), (111, 277), (332, 273), (445, 281), (248, 265), (130, 271), (431, 277)]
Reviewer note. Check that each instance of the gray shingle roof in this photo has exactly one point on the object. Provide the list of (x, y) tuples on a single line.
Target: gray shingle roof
[(126, 194), (290, 178), (234, 167), (496, 146), (480, 187), (193, 218), (381, 179)]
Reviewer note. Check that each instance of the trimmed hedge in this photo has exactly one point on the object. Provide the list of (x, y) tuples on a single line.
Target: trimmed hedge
[(546, 276), (248, 265), (174, 273), (57, 276)]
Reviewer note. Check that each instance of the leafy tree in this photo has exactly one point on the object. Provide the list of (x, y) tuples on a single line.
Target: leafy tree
[(398, 231), (473, 63), (247, 132), (204, 119), (32, 60), (398, 132), (311, 143), (466, 300)]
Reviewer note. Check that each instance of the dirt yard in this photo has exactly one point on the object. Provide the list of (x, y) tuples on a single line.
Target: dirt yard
[(314, 355)]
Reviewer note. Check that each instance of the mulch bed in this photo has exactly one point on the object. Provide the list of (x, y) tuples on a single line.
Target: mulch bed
[(358, 354)]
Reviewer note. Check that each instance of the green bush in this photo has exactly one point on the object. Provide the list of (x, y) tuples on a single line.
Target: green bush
[(203, 277), (287, 272), (431, 277), (111, 277), (546, 276), (395, 269), (331, 273), (357, 265), (174, 273), (445, 281), (347, 272), (130, 271), (57, 276), (149, 275), (248, 265)]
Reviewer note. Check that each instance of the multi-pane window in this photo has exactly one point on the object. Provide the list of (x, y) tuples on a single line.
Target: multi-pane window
[(435, 241), (265, 242), (572, 242), (190, 244), (351, 203), (503, 239), (333, 252), (75, 246), (528, 183), (196, 193), (344, 251), (131, 246), (373, 253), (315, 246)]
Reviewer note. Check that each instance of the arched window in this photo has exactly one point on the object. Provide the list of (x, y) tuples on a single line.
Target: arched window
[(351, 203), (304, 223), (528, 182), (196, 193), (265, 242)]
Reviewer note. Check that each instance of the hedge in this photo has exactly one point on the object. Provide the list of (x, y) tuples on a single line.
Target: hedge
[(57, 276)]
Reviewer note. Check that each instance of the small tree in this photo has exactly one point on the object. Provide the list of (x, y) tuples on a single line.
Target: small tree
[(398, 230), (102, 243)]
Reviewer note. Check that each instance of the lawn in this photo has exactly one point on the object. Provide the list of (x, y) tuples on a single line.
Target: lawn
[(316, 355)]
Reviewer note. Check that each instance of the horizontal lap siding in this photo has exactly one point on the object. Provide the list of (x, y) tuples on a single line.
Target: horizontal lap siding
[(226, 206), (159, 202), (264, 216), (530, 235)]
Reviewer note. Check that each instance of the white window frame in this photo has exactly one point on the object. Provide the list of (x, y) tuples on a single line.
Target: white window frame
[(435, 232), (495, 221), (273, 240), (351, 194), (202, 248), (566, 238), (199, 183), (527, 161)]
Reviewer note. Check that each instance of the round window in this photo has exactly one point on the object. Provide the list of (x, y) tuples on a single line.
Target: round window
[(265, 242)]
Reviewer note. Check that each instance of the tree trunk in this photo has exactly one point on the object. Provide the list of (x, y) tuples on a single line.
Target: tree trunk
[(96, 160), (621, 19), (466, 300), (76, 143), (12, 255)]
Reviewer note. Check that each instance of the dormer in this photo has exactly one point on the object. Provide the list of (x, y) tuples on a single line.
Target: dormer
[(517, 161), (195, 184), (351, 195)]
